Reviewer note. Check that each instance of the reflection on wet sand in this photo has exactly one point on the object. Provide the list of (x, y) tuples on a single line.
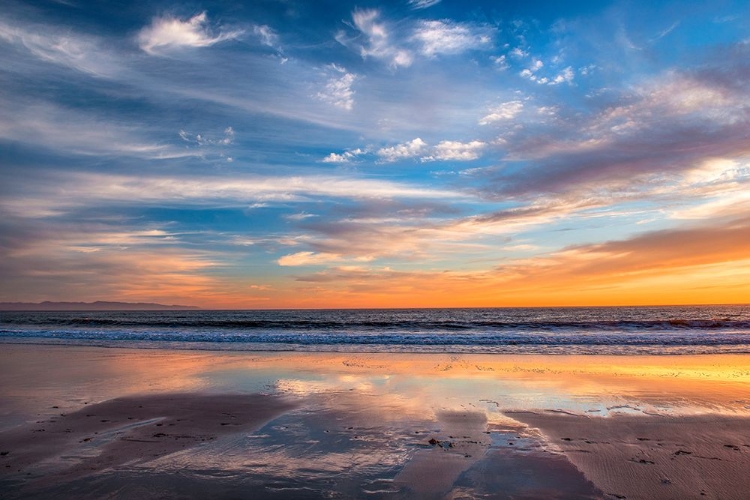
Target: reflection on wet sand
[(312, 425)]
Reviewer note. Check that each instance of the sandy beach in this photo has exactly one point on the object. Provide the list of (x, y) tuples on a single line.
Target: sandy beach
[(85, 422)]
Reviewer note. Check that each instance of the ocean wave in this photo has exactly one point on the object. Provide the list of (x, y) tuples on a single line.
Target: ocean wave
[(386, 325), (574, 330)]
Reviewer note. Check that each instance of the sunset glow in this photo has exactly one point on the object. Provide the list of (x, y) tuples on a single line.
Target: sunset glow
[(381, 154)]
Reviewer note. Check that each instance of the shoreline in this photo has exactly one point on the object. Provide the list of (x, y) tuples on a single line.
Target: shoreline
[(592, 350), (384, 425)]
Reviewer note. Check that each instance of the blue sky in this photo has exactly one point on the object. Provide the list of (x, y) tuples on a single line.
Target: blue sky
[(417, 152)]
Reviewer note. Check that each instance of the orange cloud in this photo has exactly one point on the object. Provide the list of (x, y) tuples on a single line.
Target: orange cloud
[(694, 265)]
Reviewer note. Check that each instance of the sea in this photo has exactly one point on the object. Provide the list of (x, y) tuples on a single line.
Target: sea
[(569, 330)]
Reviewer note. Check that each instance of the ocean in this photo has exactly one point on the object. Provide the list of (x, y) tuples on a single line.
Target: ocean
[(596, 330)]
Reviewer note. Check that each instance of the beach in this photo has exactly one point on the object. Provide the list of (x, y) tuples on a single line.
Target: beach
[(90, 422)]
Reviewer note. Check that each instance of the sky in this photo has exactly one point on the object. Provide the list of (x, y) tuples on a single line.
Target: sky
[(413, 153)]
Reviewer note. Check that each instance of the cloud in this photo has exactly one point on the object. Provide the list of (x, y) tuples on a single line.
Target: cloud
[(68, 191), (422, 4), (427, 37), (501, 62), (411, 149), (445, 150), (168, 33), (299, 216), (267, 36), (505, 111), (307, 259), (338, 90), (96, 260), (717, 170), (345, 157), (379, 44), (202, 140), (82, 53), (426, 231), (447, 37), (652, 253), (731, 199), (667, 31), (533, 74), (67, 131), (644, 138), (566, 76), (367, 240), (669, 266), (456, 151)]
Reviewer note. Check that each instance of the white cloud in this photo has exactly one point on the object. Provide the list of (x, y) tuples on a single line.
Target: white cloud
[(519, 53), (79, 52), (345, 157), (680, 95), (75, 190), (501, 62), (337, 158), (307, 259), (715, 170), (70, 131), (445, 150), (267, 36), (318, 258), (532, 73), (299, 216), (338, 90), (202, 140), (168, 32), (668, 97), (565, 77), (505, 111), (455, 150), (586, 70), (409, 149), (446, 37), (667, 31), (378, 44), (422, 4)]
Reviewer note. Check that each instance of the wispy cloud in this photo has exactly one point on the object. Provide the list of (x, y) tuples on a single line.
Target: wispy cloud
[(77, 190), (447, 37), (422, 4), (636, 271), (168, 33), (73, 132), (202, 140), (668, 30), (307, 258), (267, 36), (338, 89), (379, 43), (83, 53)]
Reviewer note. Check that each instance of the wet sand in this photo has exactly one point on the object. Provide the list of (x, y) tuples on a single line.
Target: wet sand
[(79, 422), (654, 457)]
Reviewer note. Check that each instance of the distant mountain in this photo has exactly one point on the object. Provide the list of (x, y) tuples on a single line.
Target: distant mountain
[(90, 306)]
